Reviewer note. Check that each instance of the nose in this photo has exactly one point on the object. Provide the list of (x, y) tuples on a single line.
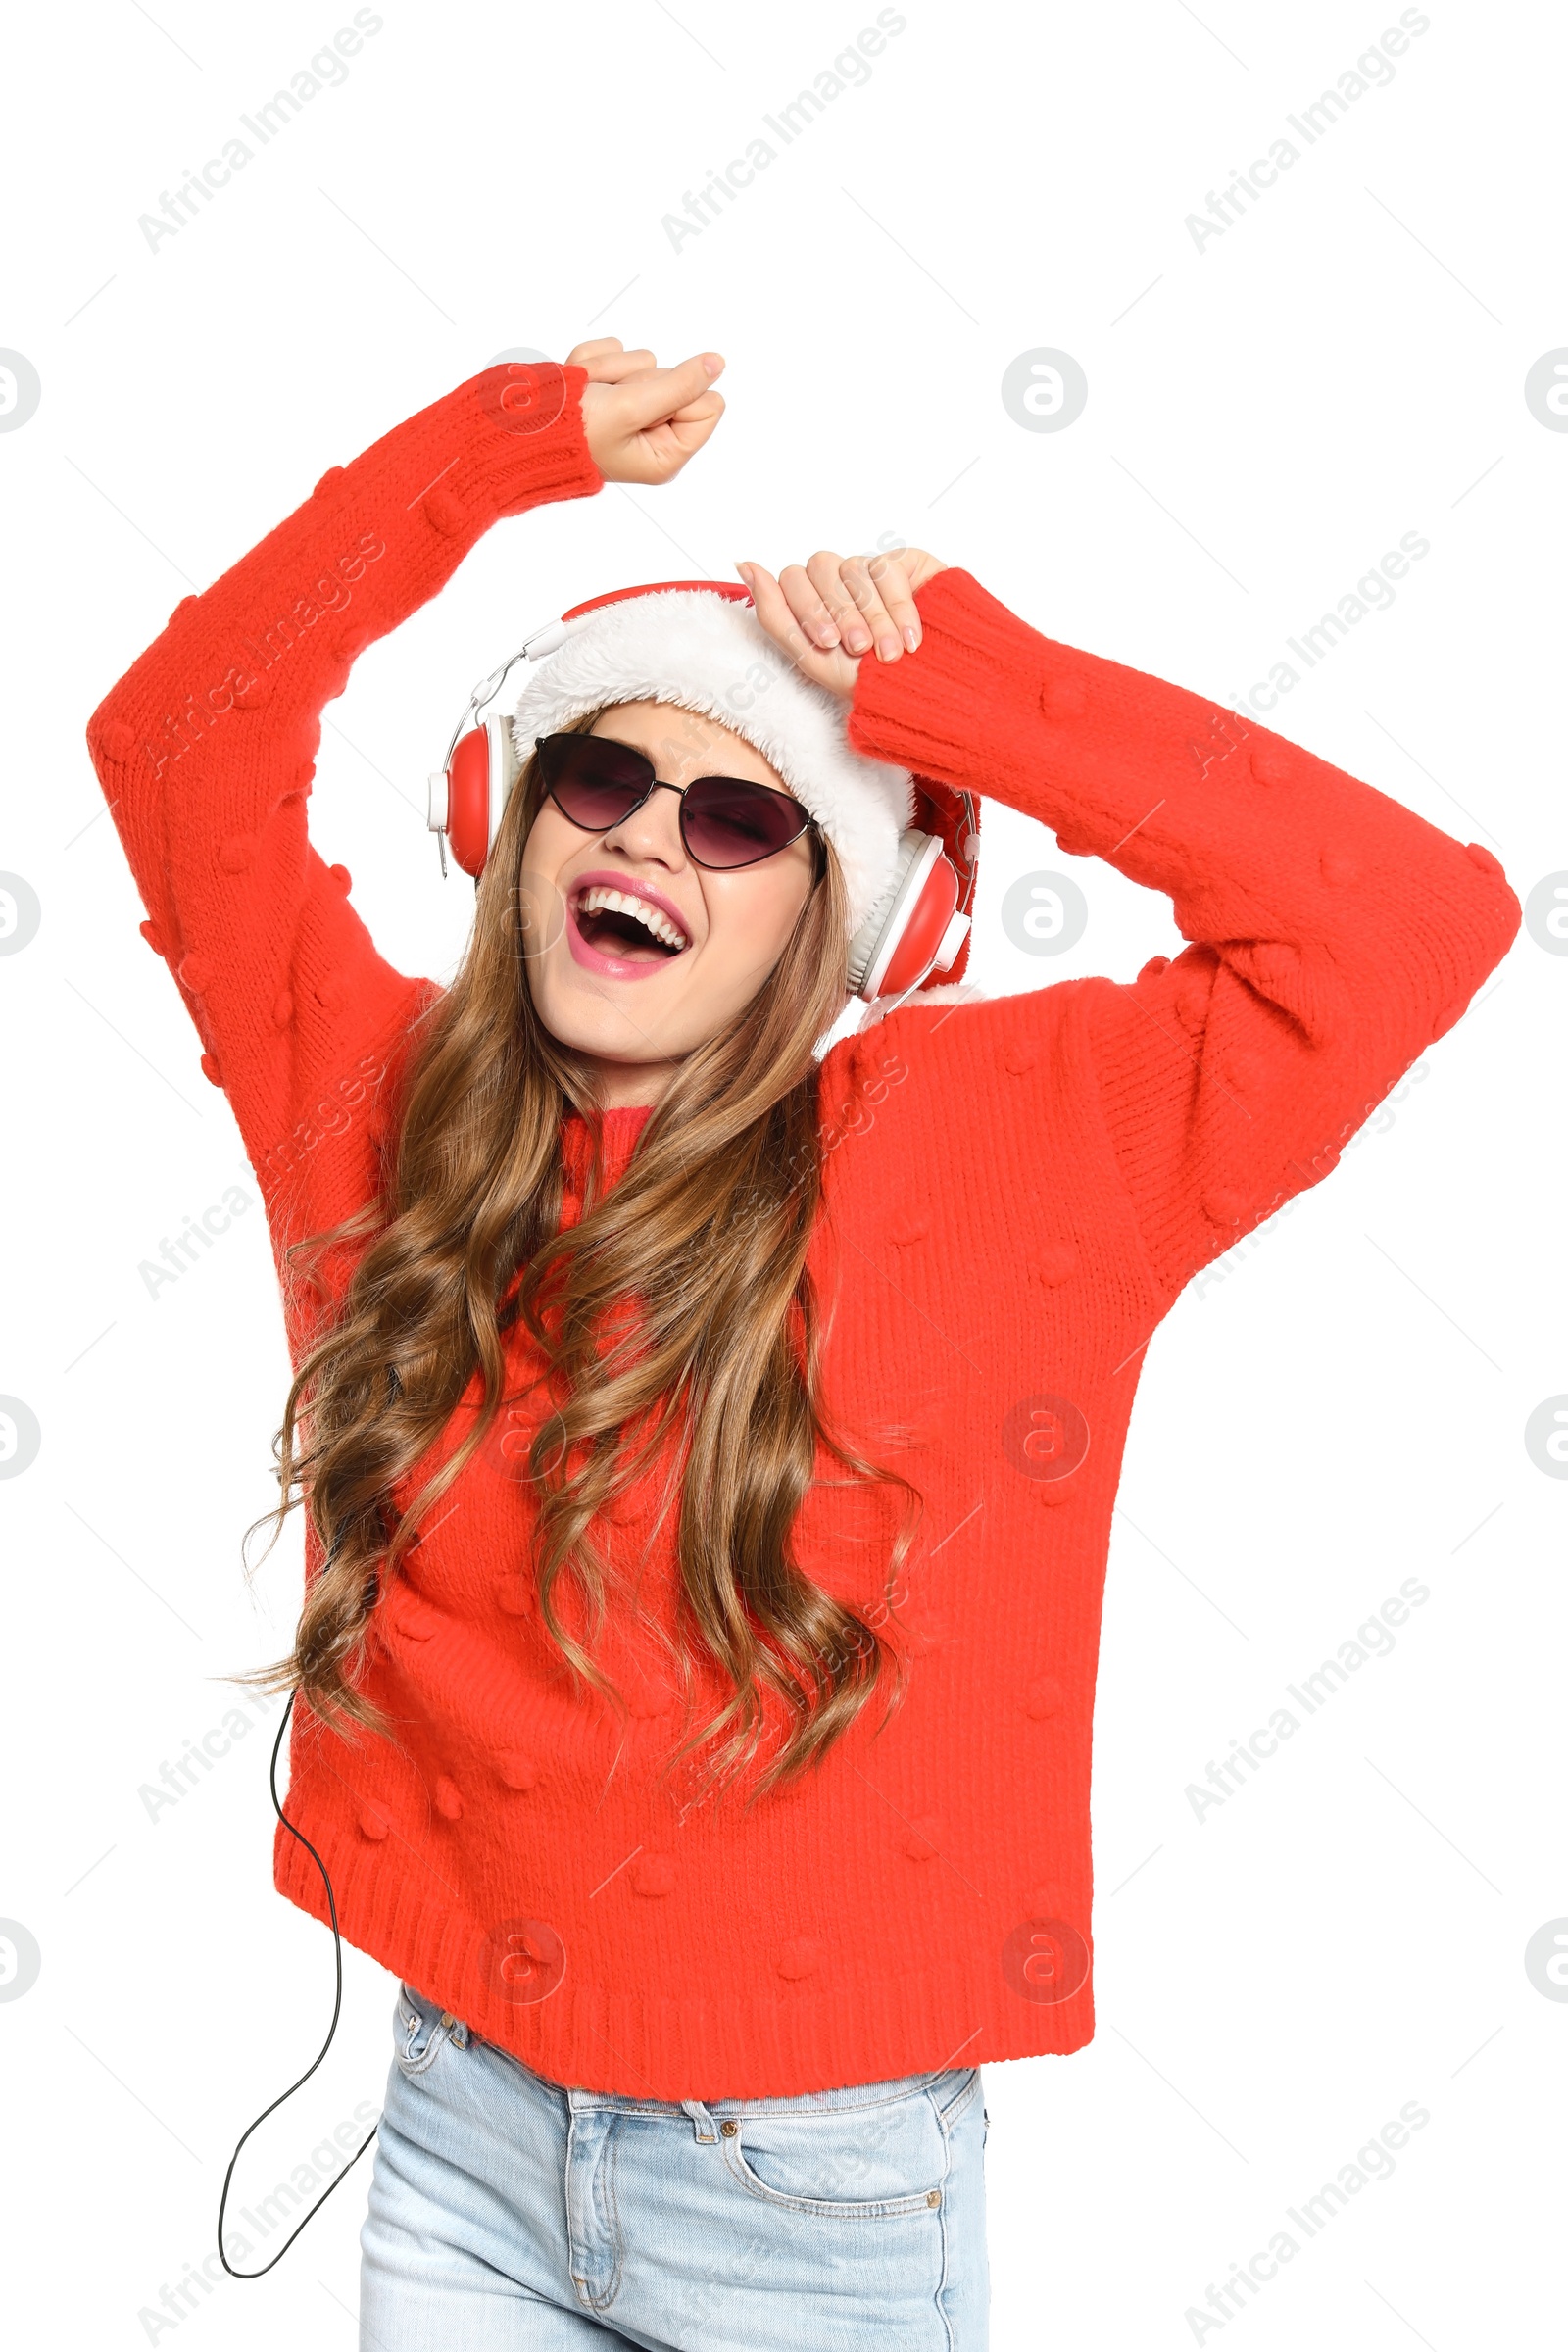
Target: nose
[(652, 830)]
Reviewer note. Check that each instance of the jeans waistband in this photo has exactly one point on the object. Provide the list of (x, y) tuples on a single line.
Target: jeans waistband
[(947, 2082)]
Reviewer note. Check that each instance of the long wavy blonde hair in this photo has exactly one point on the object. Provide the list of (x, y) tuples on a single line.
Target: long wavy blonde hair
[(706, 1233)]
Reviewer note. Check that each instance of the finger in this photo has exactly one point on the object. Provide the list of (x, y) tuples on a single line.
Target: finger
[(663, 448), (920, 566), (822, 571), (831, 669), (774, 612), (808, 605), (659, 393), (892, 583), (856, 573), (614, 367), (581, 353), (707, 409), (861, 623), (688, 433)]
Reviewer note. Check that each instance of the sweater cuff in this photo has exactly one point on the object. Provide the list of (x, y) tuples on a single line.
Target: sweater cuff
[(520, 443), (974, 687)]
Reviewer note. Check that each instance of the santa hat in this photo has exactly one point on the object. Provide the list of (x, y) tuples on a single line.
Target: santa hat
[(699, 645)]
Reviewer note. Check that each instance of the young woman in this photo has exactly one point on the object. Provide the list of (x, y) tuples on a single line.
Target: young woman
[(707, 1449)]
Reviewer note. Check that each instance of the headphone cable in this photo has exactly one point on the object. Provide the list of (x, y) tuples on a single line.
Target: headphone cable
[(337, 2007)]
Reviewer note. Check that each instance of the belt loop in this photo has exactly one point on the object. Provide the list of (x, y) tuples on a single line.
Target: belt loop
[(701, 2119)]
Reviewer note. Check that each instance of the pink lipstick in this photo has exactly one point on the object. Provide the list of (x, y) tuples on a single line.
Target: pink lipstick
[(609, 964)]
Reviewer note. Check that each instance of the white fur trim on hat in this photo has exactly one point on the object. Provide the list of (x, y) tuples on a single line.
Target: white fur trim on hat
[(711, 653)]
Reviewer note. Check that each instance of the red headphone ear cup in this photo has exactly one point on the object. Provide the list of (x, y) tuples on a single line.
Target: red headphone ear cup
[(953, 815), (468, 789), (922, 931)]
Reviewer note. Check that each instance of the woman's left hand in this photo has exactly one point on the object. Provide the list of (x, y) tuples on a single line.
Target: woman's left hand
[(829, 612)]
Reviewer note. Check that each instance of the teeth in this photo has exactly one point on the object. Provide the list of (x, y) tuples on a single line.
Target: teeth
[(598, 898)]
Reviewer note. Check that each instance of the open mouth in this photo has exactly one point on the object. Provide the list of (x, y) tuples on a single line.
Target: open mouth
[(624, 926)]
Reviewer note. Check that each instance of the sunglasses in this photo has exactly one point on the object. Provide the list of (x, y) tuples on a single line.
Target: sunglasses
[(726, 821)]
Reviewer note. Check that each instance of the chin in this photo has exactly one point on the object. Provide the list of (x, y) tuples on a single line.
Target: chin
[(598, 1026), (639, 1021)]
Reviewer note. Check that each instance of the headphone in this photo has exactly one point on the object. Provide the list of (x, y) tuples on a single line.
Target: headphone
[(917, 926)]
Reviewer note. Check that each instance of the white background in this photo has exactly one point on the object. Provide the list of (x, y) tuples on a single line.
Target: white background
[(1341, 1411)]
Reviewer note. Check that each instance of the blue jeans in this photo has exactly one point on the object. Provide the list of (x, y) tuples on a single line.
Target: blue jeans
[(508, 2213)]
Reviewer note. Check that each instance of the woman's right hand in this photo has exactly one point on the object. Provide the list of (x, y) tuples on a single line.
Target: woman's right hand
[(641, 421)]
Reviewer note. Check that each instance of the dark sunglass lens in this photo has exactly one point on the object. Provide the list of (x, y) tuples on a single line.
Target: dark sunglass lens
[(592, 780), (728, 823)]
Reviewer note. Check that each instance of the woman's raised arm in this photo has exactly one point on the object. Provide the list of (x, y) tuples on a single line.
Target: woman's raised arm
[(205, 747), (1333, 934)]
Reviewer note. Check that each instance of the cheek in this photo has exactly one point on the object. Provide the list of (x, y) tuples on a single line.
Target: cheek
[(541, 903), (752, 915), (550, 843)]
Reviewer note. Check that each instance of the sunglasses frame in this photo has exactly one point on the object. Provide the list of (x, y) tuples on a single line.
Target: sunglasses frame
[(656, 783)]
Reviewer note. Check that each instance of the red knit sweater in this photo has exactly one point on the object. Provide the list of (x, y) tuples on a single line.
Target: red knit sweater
[(1015, 1192)]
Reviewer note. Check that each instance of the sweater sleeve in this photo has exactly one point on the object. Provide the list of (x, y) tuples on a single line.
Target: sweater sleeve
[(206, 748), (1333, 934)]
